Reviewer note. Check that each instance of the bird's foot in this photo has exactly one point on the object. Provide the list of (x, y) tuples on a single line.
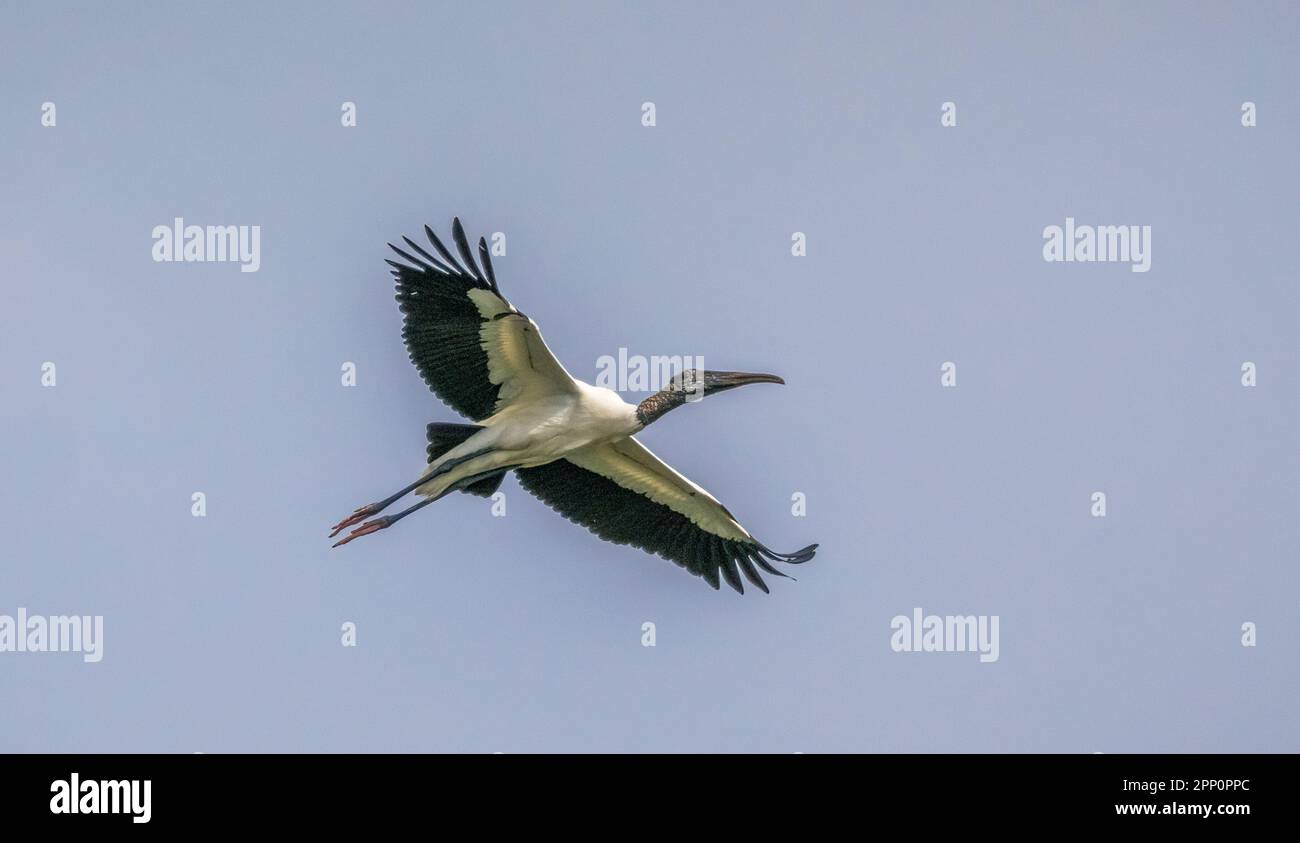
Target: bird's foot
[(355, 518), (365, 530)]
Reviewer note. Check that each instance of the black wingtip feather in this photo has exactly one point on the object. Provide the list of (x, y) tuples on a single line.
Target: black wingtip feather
[(462, 246), (415, 262), (486, 258), (765, 565), (430, 258), (797, 558), (747, 567), (442, 250), (731, 575)]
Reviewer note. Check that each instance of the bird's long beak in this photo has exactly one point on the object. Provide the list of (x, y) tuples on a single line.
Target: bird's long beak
[(719, 381)]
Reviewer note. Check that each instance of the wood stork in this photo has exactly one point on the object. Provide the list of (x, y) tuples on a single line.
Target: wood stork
[(570, 443)]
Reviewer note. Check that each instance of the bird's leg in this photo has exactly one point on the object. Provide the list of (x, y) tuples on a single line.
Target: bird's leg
[(389, 520), (378, 524), (370, 509), (375, 508)]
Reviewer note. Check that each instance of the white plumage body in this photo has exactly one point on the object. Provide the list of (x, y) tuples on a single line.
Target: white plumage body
[(528, 433)]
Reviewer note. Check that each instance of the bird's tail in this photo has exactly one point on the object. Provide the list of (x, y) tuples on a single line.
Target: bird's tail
[(443, 436)]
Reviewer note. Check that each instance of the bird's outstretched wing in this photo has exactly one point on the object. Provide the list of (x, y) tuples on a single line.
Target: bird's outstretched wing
[(625, 494), (472, 347)]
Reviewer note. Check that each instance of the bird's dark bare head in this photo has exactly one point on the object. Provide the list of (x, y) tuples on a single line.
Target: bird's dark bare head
[(692, 385)]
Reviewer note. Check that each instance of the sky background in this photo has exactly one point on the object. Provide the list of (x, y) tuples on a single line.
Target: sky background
[(523, 633)]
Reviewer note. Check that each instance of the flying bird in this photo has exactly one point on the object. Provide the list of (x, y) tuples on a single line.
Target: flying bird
[(569, 443)]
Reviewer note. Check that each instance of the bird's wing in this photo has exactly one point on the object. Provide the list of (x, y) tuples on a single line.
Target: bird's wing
[(625, 494), (472, 347)]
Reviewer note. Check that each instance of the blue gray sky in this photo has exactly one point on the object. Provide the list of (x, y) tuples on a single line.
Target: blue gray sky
[(524, 633)]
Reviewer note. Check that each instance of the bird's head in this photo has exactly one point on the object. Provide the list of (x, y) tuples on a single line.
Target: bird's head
[(692, 385)]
